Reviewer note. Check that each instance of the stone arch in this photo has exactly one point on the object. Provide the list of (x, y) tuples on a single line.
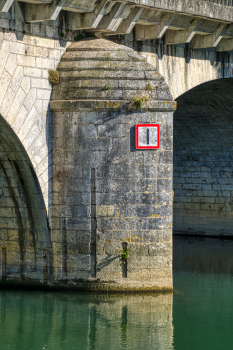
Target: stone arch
[(203, 172), (25, 60), (24, 232), (184, 68)]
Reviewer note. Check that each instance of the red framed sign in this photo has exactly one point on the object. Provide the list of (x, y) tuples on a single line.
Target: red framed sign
[(147, 136)]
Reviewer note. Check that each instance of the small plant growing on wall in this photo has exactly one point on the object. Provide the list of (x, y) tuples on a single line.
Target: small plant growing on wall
[(54, 78), (107, 87), (139, 101), (148, 87), (125, 253)]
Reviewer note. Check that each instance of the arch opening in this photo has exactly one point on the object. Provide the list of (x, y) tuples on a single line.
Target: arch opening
[(24, 234), (203, 160)]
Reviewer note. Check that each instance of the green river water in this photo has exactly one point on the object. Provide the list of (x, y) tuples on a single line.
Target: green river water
[(198, 316)]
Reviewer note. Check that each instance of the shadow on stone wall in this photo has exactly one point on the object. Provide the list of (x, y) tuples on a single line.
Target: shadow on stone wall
[(24, 234), (203, 172)]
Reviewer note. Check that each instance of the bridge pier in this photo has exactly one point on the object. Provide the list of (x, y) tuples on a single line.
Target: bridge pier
[(96, 192), (110, 195)]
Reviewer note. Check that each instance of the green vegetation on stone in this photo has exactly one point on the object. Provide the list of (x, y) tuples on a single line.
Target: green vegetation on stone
[(139, 101), (107, 87), (54, 78), (125, 253)]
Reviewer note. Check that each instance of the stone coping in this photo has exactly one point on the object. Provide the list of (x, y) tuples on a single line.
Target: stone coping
[(111, 105), (202, 8), (95, 44)]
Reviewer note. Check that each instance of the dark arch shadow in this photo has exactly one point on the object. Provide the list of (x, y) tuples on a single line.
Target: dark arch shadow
[(24, 230), (203, 160)]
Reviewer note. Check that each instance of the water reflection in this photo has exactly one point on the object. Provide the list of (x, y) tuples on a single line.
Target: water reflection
[(54, 321), (202, 313), (203, 302), (203, 255)]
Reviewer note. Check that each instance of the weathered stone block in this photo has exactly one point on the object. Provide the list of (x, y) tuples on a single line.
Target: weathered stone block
[(93, 144), (80, 211), (110, 130)]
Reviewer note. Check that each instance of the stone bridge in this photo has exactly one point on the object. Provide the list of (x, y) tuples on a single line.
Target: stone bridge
[(74, 190)]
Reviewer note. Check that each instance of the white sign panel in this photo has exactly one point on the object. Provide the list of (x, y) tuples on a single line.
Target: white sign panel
[(147, 136)]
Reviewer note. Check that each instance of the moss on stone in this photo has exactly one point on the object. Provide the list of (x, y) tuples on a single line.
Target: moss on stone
[(140, 100), (148, 87), (54, 78)]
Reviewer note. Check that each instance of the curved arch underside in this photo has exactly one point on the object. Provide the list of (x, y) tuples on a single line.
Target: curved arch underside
[(203, 160), (23, 220)]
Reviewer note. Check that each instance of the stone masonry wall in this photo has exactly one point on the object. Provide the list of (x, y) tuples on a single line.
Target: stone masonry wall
[(125, 196), (24, 104), (27, 52), (25, 94), (108, 195)]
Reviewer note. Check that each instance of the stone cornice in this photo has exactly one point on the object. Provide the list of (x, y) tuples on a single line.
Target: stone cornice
[(205, 9)]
